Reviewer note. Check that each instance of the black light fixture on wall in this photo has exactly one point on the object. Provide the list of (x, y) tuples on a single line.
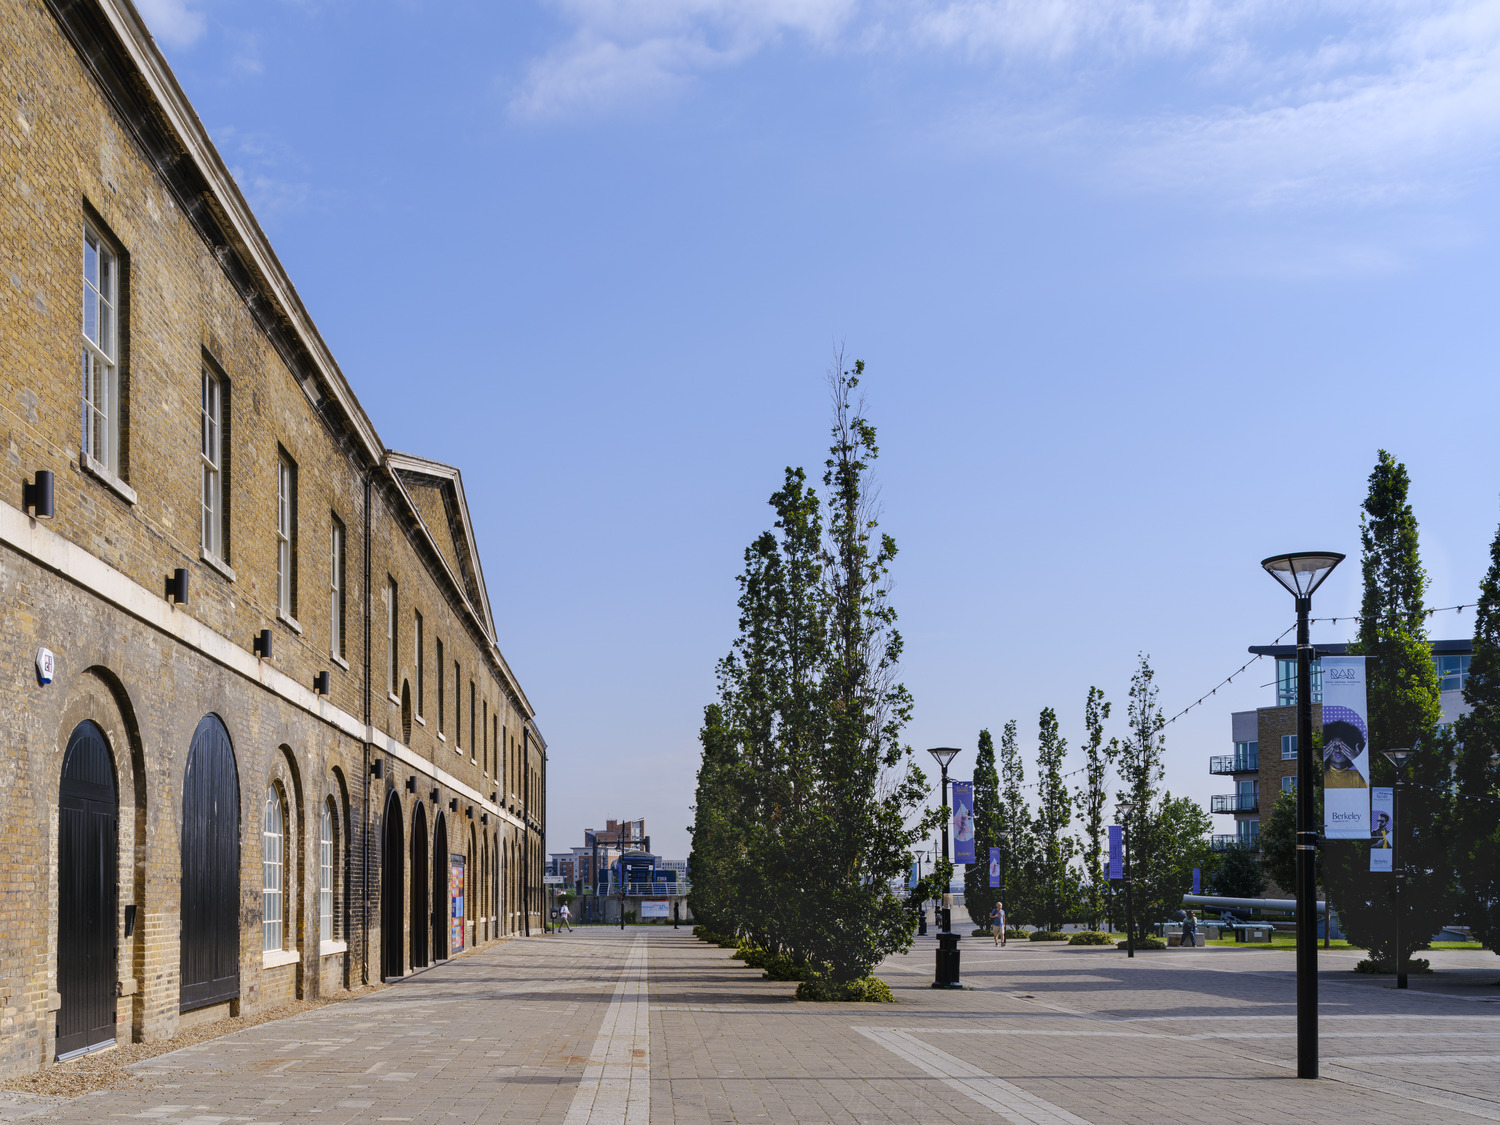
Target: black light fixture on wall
[(411, 784), (377, 768), (433, 796), (262, 645), (39, 496), (320, 683), (177, 586)]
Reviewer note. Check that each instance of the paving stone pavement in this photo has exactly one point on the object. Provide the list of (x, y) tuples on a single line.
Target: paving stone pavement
[(650, 1027)]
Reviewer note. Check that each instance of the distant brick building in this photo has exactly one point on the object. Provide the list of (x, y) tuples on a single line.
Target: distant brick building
[(195, 825)]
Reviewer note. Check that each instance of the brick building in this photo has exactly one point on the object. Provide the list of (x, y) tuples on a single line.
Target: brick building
[(1264, 762), (317, 769)]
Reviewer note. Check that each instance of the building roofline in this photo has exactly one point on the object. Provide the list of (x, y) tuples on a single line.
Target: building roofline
[(1439, 648)]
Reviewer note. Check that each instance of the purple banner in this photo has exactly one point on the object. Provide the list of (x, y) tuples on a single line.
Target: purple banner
[(963, 822), (1116, 852), (994, 867)]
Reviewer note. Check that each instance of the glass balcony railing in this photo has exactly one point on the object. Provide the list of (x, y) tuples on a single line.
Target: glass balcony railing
[(1228, 841), (1235, 802), (1234, 763)]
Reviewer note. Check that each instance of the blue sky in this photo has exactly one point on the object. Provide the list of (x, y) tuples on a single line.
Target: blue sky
[(1142, 286)]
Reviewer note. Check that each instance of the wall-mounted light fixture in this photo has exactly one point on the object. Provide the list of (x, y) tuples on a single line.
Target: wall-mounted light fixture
[(39, 496), (469, 812), (484, 818), (262, 645), (320, 683), (177, 586), (433, 796), (411, 784), (377, 768), (453, 804)]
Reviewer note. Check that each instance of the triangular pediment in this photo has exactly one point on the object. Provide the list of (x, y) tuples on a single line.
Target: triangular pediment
[(436, 493)]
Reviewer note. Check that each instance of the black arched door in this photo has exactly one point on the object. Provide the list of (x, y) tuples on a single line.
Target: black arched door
[(88, 878), (391, 887), (210, 869), (419, 905), (440, 888)]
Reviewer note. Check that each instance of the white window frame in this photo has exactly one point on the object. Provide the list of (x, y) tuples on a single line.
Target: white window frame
[(286, 506), (326, 927), (100, 331), (211, 451), (1288, 747), (273, 872), (392, 669), (1289, 783), (336, 543), (419, 658)]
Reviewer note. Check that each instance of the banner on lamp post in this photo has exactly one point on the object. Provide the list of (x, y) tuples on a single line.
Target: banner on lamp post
[(963, 822), (1346, 753), (1197, 880), (994, 867), (1382, 829), (1116, 852)]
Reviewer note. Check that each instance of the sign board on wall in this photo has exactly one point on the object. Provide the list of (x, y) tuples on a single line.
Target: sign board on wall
[(656, 909), (457, 931)]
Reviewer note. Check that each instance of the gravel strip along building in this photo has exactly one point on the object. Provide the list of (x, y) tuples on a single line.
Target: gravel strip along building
[(257, 738)]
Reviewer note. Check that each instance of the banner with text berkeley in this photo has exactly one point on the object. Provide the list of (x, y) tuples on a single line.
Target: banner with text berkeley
[(963, 822), (1346, 757)]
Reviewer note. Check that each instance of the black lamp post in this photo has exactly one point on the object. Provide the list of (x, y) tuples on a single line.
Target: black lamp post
[(921, 854), (1302, 573), (947, 954), (1126, 808), (1398, 759)]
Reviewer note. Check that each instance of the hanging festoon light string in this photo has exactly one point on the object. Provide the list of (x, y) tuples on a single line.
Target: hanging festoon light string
[(1225, 682), (1426, 612), (1454, 793)]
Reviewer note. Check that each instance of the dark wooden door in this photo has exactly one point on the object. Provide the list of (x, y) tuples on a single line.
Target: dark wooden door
[(210, 869), (419, 907), (87, 888), (440, 888), (392, 916)]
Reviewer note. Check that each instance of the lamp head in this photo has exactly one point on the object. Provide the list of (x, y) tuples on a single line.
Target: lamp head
[(1397, 758), (1126, 808), (944, 755), (1302, 572)]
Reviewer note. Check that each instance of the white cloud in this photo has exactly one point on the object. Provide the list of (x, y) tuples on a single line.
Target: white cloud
[(624, 51), (172, 21)]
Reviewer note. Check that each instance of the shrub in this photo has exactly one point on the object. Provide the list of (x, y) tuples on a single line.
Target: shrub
[(728, 942), (779, 966), (866, 990), (1089, 937), (983, 931), (1046, 935), (1386, 966), (1150, 941)]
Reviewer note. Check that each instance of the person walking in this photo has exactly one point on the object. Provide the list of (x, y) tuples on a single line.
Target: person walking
[(566, 917), (997, 923), (1190, 930)]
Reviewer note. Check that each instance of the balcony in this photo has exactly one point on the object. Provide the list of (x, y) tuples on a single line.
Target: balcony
[(644, 888), (1234, 763), (1235, 802), (1230, 841)]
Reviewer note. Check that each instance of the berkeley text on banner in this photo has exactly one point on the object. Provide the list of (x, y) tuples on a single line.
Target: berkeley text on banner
[(1346, 758)]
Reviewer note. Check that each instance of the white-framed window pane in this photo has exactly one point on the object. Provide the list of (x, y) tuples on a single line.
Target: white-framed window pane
[(272, 840), (325, 875), (211, 453), (100, 390), (336, 589), (390, 636), (418, 657), (284, 537)]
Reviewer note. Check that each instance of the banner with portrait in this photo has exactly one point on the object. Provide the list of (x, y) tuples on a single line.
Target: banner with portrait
[(963, 822), (1382, 829), (1346, 751)]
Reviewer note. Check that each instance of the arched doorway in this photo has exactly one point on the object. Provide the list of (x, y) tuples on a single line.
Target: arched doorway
[(419, 905), (440, 888), (210, 953), (88, 876), (392, 878)]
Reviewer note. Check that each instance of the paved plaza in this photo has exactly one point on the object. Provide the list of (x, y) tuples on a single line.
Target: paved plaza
[(650, 1027)]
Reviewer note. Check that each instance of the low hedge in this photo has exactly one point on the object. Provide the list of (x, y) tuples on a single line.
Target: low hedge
[(1386, 966), (866, 990), (1046, 935), (1150, 941), (1090, 937)]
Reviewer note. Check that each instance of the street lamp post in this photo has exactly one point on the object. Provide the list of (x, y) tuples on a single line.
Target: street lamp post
[(1398, 759), (946, 975), (1302, 573), (1126, 808), (921, 854), (1004, 838)]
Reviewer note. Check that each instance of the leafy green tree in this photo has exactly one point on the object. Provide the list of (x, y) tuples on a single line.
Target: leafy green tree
[(717, 858), (1098, 756), (1054, 814), (1018, 854), (1236, 873), (1278, 839), (1404, 712), (1476, 836), (979, 896)]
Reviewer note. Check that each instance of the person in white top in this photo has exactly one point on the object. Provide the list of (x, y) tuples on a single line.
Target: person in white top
[(566, 916)]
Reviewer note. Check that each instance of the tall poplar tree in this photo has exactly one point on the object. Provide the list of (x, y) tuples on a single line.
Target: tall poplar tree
[(1018, 853), (1476, 836), (1098, 755), (979, 896), (1054, 814), (1404, 711)]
